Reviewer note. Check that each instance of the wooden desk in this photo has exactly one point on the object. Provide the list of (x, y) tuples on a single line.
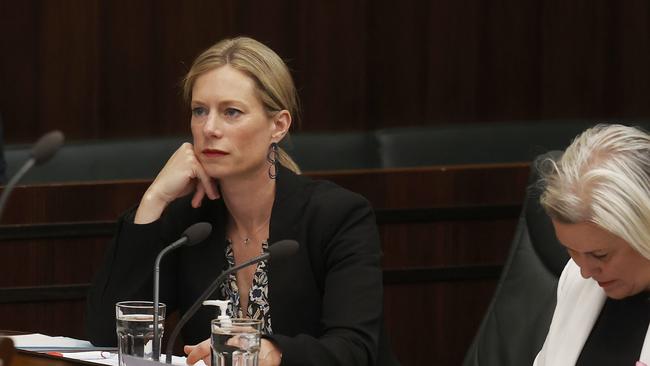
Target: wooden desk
[(445, 235)]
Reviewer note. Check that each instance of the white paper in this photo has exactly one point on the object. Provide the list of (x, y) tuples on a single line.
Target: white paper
[(37, 340), (110, 358), (105, 358), (77, 349)]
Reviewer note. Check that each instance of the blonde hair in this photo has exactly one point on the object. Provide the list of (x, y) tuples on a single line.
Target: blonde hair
[(603, 178), (275, 86)]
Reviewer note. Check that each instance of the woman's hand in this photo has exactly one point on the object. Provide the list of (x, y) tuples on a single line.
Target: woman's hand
[(182, 174), (269, 354), (198, 352)]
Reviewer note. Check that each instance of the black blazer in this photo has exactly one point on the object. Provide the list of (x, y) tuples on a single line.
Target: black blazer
[(326, 301)]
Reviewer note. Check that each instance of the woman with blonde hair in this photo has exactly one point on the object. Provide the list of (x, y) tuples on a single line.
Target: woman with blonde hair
[(598, 197), (324, 307)]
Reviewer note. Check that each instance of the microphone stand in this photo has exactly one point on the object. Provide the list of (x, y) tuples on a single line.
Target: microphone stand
[(192, 235), (156, 295), (12, 182), (42, 151)]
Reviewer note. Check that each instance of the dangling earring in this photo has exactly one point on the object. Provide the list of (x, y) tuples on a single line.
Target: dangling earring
[(272, 158)]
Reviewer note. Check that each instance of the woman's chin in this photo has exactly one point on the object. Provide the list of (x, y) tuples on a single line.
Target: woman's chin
[(236, 171), (618, 292), (216, 172)]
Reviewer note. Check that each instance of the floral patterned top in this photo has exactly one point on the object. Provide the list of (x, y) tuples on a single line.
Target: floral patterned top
[(258, 297)]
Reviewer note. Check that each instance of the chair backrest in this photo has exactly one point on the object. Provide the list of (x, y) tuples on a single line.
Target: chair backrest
[(333, 150), (142, 159), (518, 318), (98, 160), (475, 143)]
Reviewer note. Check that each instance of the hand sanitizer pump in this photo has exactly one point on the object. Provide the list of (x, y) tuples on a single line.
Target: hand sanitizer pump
[(223, 305)]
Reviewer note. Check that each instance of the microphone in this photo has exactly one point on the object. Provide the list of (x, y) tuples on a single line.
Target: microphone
[(192, 235), (279, 250), (41, 152)]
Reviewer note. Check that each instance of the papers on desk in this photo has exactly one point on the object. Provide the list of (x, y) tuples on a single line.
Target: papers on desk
[(101, 357), (110, 358), (76, 349), (43, 343)]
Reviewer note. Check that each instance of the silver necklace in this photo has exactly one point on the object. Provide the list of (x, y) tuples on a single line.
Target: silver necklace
[(247, 239)]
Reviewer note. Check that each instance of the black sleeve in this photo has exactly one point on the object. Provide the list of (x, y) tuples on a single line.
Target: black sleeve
[(352, 288), (127, 273)]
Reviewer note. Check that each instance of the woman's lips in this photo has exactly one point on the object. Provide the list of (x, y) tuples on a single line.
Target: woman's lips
[(213, 153), (606, 283)]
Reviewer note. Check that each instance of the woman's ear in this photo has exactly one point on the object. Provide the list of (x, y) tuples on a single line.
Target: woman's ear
[(281, 124)]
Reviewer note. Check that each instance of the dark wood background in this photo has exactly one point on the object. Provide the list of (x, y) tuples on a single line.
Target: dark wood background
[(104, 69)]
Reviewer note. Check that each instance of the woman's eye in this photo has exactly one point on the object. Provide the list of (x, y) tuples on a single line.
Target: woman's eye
[(600, 256), (199, 111), (232, 112)]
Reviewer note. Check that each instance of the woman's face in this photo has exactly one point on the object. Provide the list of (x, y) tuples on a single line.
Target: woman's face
[(231, 129), (619, 269)]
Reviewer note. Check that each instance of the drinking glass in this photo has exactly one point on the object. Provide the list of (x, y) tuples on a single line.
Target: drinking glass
[(236, 342), (135, 328)]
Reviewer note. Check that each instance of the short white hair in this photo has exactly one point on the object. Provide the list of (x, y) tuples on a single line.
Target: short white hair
[(603, 177)]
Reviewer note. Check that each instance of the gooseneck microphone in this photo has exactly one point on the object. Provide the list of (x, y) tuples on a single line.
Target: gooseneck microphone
[(192, 235), (278, 250), (41, 152)]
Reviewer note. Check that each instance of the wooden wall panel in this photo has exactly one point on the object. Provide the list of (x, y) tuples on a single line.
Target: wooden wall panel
[(108, 69), (19, 32), (423, 328), (397, 59), (632, 76), (449, 90), (457, 243), (130, 74), (46, 317), (333, 57), (67, 66), (507, 82), (55, 261), (86, 202), (577, 49)]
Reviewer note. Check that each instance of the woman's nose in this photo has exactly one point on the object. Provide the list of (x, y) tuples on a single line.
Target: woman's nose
[(588, 268), (212, 126)]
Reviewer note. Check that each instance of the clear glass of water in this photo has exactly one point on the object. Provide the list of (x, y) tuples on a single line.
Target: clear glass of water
[(236, 342), (135, 328)]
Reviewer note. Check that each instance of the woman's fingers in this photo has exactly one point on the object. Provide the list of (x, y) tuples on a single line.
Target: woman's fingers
[(188, 349), (269, 354), (198, 352), (182, 174), (175, 178), (206, 182), (198, 196)]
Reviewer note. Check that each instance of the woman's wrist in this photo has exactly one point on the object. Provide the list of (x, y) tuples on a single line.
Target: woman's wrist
[(150, 208), (270, 354)]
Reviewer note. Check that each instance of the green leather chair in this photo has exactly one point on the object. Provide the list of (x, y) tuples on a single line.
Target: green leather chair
[(519, 315)]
